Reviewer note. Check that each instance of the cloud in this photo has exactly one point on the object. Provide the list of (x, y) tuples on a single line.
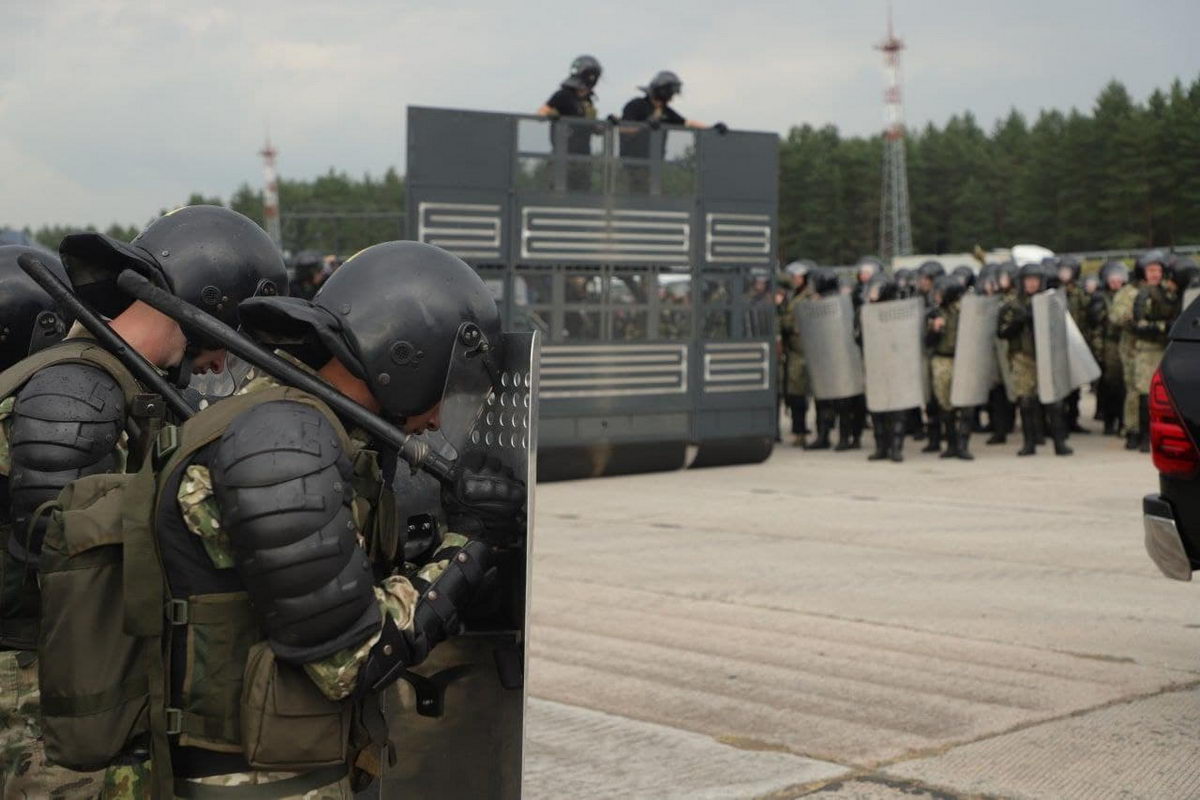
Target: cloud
[(113, 109)]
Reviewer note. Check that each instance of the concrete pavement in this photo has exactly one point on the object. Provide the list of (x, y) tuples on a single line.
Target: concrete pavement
[(823, 625)]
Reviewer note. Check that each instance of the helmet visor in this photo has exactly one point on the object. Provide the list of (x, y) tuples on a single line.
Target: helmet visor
[(472, 382)]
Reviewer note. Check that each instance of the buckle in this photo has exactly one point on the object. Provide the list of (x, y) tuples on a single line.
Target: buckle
[(149, 406), (166, 443), (177, 612), (174, 721)]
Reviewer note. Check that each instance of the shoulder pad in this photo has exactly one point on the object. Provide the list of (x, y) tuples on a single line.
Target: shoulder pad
[(283, 484), (67, 416)]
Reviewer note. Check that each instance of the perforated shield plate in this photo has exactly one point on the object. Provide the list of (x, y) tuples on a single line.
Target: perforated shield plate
[(1050, 345), (976, 369), (892, 359), (832, 358), (475, 748)]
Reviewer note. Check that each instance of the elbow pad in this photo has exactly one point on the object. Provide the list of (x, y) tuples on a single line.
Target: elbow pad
[(66, 423), (284, 487)]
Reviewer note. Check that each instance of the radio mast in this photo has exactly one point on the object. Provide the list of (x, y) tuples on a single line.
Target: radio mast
[(271, 194), (895, 224)]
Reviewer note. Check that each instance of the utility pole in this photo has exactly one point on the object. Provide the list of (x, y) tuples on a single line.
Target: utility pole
[(895, 223), (271, 194)]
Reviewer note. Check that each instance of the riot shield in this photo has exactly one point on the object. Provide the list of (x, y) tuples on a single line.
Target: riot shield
[(460, 722), (1006, 376), (1082, 364), (1050, 346), (892, 359), (1189, 295), (831, 357), (976, 369)]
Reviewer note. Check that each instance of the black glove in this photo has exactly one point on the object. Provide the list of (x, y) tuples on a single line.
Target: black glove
[(485, 500), (721, 128), (654, 124), (612, 119)]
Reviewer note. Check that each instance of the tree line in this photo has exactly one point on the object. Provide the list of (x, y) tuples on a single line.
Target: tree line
[(1124, 175)]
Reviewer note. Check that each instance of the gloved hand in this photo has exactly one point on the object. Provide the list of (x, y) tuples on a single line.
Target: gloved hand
[(485, 500), (612, 119), (654, 124), (721, 128)]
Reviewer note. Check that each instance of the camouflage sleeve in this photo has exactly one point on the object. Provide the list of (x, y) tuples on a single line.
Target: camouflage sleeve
[(1120, 313), (202, 515), (336, 676)]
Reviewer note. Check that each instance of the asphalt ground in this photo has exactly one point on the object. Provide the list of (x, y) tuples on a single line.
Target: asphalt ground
[(822, 626)]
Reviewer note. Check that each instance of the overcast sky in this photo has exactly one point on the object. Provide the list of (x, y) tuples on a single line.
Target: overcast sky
[(113, 109)]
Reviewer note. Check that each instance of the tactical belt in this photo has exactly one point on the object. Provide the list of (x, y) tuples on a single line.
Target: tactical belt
[(287, 787)]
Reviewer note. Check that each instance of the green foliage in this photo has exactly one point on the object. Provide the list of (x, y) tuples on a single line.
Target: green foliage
[(1127, 175)]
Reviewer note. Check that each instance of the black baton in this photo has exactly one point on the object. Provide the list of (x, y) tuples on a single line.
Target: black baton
[(417, 453), (142, 370)]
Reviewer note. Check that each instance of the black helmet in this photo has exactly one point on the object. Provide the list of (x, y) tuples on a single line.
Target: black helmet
[(411, 320), (1152, 257), (964, 275), (1032, 270), (1187, 272), (663, 86), (27, 314), (988, 278), (1114, 268), (948, 289), (585, 72), (904, 277), (931, 270), (824, 281), (1071, 263), (209, 256), (868, 262), (882, 288)]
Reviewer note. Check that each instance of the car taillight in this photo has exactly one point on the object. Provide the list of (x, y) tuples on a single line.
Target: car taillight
[(1175, 455)]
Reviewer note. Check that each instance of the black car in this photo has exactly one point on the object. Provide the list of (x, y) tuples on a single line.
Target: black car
[(1172, 517)]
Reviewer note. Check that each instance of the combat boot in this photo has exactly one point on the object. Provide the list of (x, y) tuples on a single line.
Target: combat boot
[(933, 434), (879, 427), (965, 424), (845, 418), (1001, 414), (1058, 428), (899, 428), (950, 433), (825, 419), (1030, 411), (1144, 423), (916, 425)]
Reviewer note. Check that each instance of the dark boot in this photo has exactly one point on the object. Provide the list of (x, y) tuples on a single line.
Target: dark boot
[(826, 414), (1058, 428), (845, 417), (1030, 411), (950, 431), (964, 434), (899, 428), (879, 425), (1040, 424), (915, 424), (1001, 415), (1144, 423), (933, 430)]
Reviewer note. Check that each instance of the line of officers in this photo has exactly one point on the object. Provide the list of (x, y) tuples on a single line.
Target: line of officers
[(1125, 316)]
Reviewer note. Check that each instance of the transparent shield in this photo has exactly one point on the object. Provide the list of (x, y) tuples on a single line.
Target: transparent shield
[(471, 379)]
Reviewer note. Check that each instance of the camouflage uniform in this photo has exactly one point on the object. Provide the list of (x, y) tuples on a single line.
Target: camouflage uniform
[(1021, 352), (941, 364), (334, 675), (1120, 317), (795, 375), (1154, 310)]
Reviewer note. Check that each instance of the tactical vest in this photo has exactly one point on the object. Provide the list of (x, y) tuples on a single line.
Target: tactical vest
[(18, 585), (178, 660)]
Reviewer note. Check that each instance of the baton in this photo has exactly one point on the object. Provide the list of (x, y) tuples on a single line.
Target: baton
[(418, 454), (112, 341)]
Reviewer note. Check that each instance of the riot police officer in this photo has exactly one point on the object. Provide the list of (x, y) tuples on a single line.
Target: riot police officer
[(795, 376), (1015, 324), (291, 508), (654, 108), (1120, 317), (1106, 344), (1068, 268), (575, 100), (29, 321), (75, 411), (942, 333), (1155, 308)]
